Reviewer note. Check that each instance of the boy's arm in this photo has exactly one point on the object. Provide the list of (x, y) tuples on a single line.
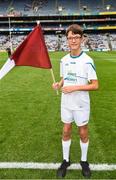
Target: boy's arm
[(93, 85)]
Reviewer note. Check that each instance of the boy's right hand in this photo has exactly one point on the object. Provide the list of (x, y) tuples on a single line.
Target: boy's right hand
[(55, 86)]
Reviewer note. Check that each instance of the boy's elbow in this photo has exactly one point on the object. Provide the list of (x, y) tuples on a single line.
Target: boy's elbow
[(96, 86)]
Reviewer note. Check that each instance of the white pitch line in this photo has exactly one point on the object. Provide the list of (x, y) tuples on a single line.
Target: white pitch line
[(33, 165)]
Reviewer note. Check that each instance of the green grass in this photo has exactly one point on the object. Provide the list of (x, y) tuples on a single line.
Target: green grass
[(30, 126)]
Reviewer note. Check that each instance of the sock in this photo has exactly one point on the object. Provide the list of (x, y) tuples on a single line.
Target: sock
[(66, 149), (84, 149)]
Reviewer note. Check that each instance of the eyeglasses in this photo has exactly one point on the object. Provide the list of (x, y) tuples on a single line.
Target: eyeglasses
[(74, 38)]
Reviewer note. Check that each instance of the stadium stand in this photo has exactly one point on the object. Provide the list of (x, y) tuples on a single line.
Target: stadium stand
[(39, 7), (98, 42), (97, 19)]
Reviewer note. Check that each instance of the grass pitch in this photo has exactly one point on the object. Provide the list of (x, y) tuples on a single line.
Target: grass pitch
[(30, 126)]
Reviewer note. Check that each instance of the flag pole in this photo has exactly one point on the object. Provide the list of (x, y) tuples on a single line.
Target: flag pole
[(51, 70)]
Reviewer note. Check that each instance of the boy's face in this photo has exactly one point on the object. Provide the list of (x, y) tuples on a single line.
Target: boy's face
[(74, 41)]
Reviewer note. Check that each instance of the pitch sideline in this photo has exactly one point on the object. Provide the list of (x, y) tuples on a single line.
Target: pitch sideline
[(35, 165)]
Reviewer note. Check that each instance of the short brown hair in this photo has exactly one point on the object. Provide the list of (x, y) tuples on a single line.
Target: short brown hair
[(75, 28)]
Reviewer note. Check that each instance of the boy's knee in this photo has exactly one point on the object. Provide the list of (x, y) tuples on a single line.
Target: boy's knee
[(84, 137), (66, 135)]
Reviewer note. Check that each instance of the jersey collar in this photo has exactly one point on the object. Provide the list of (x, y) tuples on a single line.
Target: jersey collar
[(76, 56)]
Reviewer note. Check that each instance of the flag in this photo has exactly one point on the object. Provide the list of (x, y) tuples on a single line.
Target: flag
[(31, 52)]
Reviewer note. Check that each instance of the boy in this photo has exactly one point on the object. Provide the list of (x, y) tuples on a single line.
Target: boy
[(78, 76)]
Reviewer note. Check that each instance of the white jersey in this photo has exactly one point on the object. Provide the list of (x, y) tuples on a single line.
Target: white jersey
[(77, 70)]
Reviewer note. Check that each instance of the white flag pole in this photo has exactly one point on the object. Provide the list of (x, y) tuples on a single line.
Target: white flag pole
[(51, 70), (10, 38)]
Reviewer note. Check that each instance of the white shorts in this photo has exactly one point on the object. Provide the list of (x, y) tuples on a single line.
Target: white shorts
[(80, 117)]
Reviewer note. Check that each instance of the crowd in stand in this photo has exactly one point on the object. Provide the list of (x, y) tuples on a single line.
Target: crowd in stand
[(98, 42)]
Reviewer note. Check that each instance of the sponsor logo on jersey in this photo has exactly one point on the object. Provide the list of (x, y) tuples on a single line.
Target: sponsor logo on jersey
[(72, 62), (71, 77)]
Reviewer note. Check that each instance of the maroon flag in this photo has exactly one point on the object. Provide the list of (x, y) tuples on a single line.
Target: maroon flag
[(31, 52)]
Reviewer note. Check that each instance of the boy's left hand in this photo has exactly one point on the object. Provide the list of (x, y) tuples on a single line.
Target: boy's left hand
[(68, 89)]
